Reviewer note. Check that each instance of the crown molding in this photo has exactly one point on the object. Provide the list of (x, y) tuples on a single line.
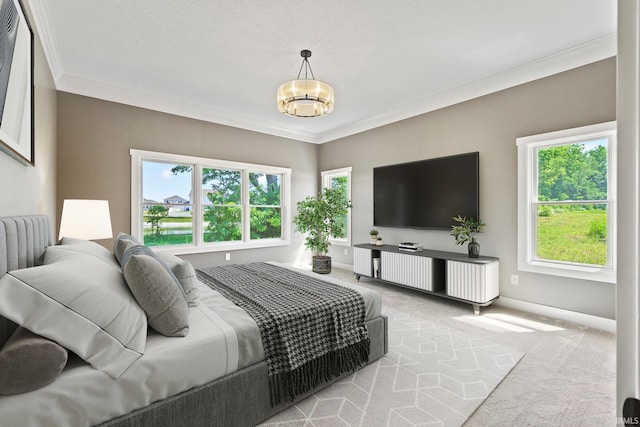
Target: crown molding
[(599, 49), (587, 53), (43, 25)]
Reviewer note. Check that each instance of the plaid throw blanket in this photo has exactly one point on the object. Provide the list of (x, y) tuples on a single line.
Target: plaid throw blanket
[(312, 330)]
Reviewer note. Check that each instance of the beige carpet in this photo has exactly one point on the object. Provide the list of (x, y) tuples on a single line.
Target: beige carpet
[(566, 378), (432, 375)]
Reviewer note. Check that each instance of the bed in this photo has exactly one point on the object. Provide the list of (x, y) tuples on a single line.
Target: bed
[(216, 374)]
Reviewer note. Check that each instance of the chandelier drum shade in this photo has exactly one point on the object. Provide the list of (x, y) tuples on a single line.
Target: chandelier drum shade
[(305, 97)]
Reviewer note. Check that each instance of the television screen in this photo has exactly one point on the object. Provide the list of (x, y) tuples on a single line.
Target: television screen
[(427, 193)]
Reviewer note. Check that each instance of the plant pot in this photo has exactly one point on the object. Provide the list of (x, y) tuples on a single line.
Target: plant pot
[(474, 249), (379, 243), (321, 264), (373, 240)]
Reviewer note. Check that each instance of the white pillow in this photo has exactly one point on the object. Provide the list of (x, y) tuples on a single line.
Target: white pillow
[(82, 303), (89, 248)]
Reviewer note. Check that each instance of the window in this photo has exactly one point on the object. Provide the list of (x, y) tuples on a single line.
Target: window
[(192, 204), (340, 178), (566, 203)]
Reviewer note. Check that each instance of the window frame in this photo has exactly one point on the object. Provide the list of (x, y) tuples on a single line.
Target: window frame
[(326, 177), (527, 202), (198, 245)]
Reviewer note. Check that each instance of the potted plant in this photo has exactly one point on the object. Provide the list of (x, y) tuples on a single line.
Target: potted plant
[(379, 241), (373, 236), (320, 218), (464, 230)]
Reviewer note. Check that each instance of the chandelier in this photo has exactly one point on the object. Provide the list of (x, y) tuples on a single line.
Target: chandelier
[(305, 97)]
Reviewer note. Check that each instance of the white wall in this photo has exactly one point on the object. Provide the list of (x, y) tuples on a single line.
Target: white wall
[(628, 305), (28, 189)]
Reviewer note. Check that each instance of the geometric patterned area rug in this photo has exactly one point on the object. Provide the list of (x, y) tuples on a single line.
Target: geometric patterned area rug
[(432, 375)]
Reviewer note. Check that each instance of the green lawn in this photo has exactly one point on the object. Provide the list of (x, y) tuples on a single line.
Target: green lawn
[(570, 236), (173, 231), (167, 239)]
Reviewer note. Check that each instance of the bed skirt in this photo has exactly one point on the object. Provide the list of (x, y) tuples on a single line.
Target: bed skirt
[(238, 399)]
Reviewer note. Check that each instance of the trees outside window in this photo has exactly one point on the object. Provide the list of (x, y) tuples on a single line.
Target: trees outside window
[(167, 213), (264, 202), (221, 205), (340, 179), (235, 205), (566, 209)]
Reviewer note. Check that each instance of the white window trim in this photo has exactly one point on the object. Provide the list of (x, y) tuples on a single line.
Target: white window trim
[(326, 181), (527, 170), (138, 156)]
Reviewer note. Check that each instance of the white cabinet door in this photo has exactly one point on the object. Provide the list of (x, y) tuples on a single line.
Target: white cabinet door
[(362, 263), (408, 270), (473, 282)]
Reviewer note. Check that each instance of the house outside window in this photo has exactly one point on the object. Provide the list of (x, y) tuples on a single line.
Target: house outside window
[(566, 203), (340, 178), (207, 204)]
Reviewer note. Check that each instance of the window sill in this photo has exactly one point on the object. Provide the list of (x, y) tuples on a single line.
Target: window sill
[(220, 247), (340, 242), (595, 274)]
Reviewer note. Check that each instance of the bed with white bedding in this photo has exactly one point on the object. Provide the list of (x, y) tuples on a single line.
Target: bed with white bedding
[(215, 374)]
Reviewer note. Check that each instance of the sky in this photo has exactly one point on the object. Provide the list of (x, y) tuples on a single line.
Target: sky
[(158, 182), (592, 144)]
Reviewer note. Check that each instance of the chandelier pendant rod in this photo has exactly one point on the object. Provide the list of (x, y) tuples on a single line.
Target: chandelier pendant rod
[(307, 68)]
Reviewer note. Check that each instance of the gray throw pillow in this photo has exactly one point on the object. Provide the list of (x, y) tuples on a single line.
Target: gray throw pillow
[(29, 361), (157, 291), (186, 275), (123, 242)]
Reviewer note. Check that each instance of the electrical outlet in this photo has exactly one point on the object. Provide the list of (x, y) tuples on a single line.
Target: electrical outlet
[(515, 279), (227, 257), (346, 251)]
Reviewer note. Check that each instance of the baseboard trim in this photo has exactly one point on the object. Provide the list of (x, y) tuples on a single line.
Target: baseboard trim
[(342, 265), (589, 320)]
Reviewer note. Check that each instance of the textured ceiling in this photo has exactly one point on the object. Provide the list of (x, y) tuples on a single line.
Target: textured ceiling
[(222, 61)]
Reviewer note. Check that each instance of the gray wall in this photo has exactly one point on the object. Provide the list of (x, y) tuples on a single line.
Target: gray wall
[(28, 189), (94, 138), (490, 125)]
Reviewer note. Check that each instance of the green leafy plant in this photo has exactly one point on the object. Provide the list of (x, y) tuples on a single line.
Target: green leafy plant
[(154, 215), (465, 228), (320, 218), (373, 232), (598, 229)]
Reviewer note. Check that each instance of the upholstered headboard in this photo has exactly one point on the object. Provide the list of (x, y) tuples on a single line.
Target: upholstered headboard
[(23, 240)]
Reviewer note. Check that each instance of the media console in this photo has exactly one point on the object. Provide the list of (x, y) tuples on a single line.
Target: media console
[(447, 274)]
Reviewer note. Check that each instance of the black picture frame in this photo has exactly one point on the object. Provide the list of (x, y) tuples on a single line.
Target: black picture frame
[(16, 82)]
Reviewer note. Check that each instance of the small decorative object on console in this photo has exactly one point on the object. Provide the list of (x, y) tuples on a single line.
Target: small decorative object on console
[(373, 236), (474, 248), (410, 246), (463, 232)]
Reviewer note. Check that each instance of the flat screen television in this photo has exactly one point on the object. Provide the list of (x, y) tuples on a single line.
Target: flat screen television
[(427, 194)]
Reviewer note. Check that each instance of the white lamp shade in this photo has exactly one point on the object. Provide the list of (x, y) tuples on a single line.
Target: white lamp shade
[(86, 219)]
